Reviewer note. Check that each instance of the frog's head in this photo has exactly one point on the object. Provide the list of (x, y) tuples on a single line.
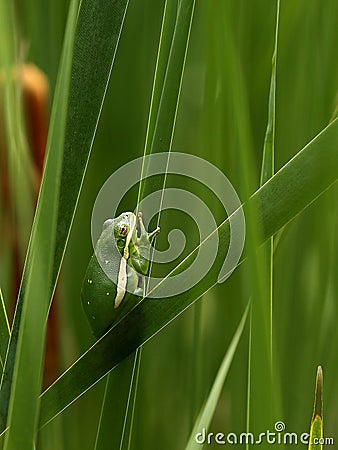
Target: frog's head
[(123, 225), (127, 231), (122, 228)]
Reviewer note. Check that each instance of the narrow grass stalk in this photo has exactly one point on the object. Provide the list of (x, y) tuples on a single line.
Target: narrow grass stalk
[(165, 43), (256, 280), (117, 406), (267, 171), (208, 409), (196, 361), (166, 109), (268, 165), (316, 428), (4, 331), (126, 437), (168, 76)]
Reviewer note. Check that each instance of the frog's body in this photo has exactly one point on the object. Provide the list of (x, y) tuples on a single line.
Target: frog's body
[(120, 250)]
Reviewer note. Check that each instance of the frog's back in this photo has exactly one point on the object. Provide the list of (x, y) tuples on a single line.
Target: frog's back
[(98, 295)]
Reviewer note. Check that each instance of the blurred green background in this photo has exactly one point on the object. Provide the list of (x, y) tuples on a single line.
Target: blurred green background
[(230, 40)]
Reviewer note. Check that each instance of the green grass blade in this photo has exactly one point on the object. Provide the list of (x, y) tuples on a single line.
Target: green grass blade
[(161, 132), (69, 145), (168, 105), (316, 429), (117, 399), (208, 409), (25, 370), (165, 44), (99, 30), (169, 71), (305, 177), (260, 369), (126, 436), (167, 30), (268, 162), (4, 331)]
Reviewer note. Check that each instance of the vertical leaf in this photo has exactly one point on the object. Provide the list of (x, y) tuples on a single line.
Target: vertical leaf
[(208, 409), (72, 130), (29, 336), (168, 77), (165, 43), (316, 429), (117, 404), (126, 436), (4, 331), (166, 103), (263, 313)]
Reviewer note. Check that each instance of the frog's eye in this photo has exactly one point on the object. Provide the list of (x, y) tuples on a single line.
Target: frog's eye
[(123, 231)]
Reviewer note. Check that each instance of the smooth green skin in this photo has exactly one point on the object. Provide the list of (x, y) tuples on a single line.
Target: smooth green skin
[(98, 290)]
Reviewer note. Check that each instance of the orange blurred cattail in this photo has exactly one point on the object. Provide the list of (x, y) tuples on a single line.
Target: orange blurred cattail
[(35, 97), (35, 94)]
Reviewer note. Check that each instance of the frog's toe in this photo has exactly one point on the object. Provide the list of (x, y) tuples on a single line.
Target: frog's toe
[(141, 224), (153, 234)]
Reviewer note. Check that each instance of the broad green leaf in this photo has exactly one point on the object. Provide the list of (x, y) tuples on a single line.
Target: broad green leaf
[(316, 429), (73, 125), (208, 409), (4, 330), (296, 185)]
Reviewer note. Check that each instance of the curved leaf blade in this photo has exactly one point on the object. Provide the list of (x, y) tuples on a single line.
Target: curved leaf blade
[(306, 176)]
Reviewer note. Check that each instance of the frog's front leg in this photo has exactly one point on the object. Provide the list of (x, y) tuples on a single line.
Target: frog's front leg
[(140, 247), (139, 291)]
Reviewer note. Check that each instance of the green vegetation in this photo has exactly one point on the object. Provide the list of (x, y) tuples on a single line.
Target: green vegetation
[(316, 428), (250, 87)]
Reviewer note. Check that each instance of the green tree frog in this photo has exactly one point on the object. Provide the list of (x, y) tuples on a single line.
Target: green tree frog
[(123, 249)]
